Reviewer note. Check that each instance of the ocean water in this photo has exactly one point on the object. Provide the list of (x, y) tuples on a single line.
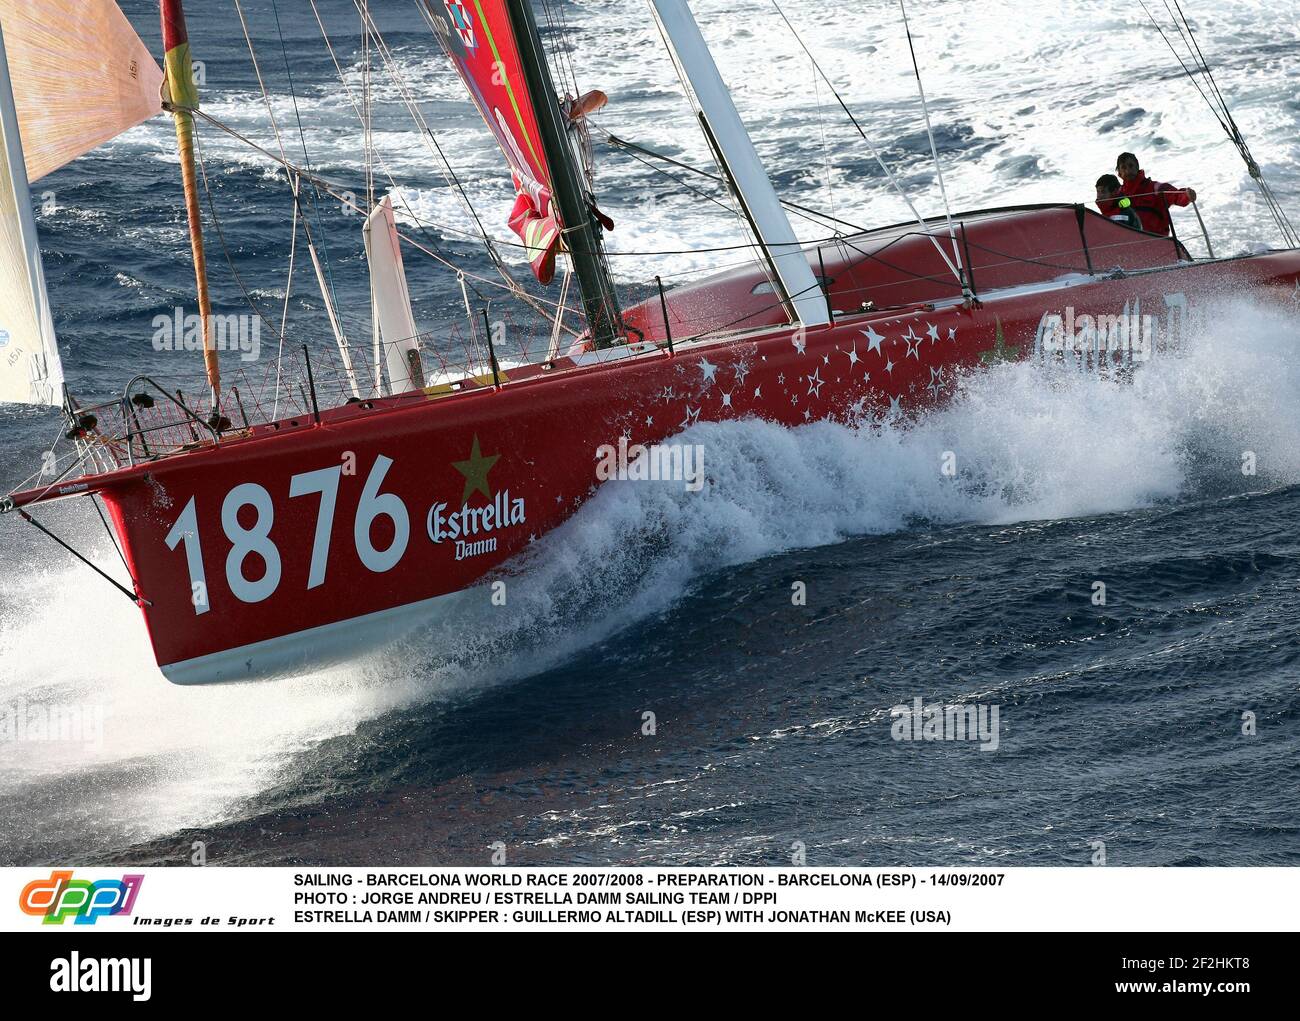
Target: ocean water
[(1162, 723)]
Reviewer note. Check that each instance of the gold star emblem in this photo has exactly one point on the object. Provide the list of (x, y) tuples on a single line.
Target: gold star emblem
[(1001, 352), (476, 471)]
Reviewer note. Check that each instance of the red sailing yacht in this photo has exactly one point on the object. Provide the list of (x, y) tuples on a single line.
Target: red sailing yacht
[(259, 547)]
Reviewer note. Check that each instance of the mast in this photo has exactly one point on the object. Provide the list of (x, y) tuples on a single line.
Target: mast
[(582, 236), (725, 131), (181, 97)]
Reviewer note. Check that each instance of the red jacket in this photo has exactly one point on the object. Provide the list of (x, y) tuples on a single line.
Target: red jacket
[(1151, 201)]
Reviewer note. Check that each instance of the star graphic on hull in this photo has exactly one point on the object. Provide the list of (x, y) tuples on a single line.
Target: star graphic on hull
[(874, 340), (476, 471), (815, 383), (741, 370), (798, 342), (894, 409), (889, 366), (708, 369), (936, 380), (932, 332), (913, 344), (853, 355), (726, 400), (692, 416), (1000, 351)]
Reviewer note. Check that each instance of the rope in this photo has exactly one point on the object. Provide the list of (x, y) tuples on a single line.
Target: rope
[(94, 498), (889, 174), (934, 151), (449, 172), (288, 289), (328, 291), (302, 139), (632, 148), (1218, 105), (116, 584)]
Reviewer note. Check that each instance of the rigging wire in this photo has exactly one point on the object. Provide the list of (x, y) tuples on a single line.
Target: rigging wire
[(432, 249), (1215, 100), (302, 138), (934, 151), (422, 125), (826, 151), (449, 172), (889, 174), (813, 216), (328, 293), (337, 192), (221, 235), (288, 290), (363, 118)]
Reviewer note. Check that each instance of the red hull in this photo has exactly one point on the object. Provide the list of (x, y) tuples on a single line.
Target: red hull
[(283, 582)]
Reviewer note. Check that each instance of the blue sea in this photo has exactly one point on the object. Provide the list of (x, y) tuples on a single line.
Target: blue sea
[(1111, 573)]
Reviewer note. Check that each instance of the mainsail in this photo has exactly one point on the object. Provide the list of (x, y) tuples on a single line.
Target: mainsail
[(73, 74), (478, 37)]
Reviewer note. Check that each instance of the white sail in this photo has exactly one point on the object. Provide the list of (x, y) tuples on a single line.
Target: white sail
[(73, 74), (392, 300), (81, 76), (30, 370)]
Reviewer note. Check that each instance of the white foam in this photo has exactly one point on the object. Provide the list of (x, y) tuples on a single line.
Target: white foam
[(1029, 444)]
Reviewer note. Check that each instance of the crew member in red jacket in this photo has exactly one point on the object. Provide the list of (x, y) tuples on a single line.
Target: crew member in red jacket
[(1151, 199)]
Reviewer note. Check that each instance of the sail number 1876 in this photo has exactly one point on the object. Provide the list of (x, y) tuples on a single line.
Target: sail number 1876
[(255, 539)]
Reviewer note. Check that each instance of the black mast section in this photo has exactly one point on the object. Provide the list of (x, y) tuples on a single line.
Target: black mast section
[(582, 235)]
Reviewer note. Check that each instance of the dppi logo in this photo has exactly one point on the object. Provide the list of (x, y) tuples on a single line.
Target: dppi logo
[(61, 897)]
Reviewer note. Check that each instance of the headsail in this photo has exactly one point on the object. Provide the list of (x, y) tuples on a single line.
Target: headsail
[(73, 74), (30, 370), (81, 76), (478, 38)]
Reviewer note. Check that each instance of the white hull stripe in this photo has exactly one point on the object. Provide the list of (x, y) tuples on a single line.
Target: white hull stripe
[(312, 649)]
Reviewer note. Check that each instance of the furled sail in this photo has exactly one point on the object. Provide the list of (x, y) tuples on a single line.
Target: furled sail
[(81, 76), (478, 38), (30, 371), (392, 300)]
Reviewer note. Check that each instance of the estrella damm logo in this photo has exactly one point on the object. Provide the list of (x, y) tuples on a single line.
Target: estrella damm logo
[(61, 897)]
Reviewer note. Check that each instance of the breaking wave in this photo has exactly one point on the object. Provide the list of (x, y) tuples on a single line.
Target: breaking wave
[(1026, 444)]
